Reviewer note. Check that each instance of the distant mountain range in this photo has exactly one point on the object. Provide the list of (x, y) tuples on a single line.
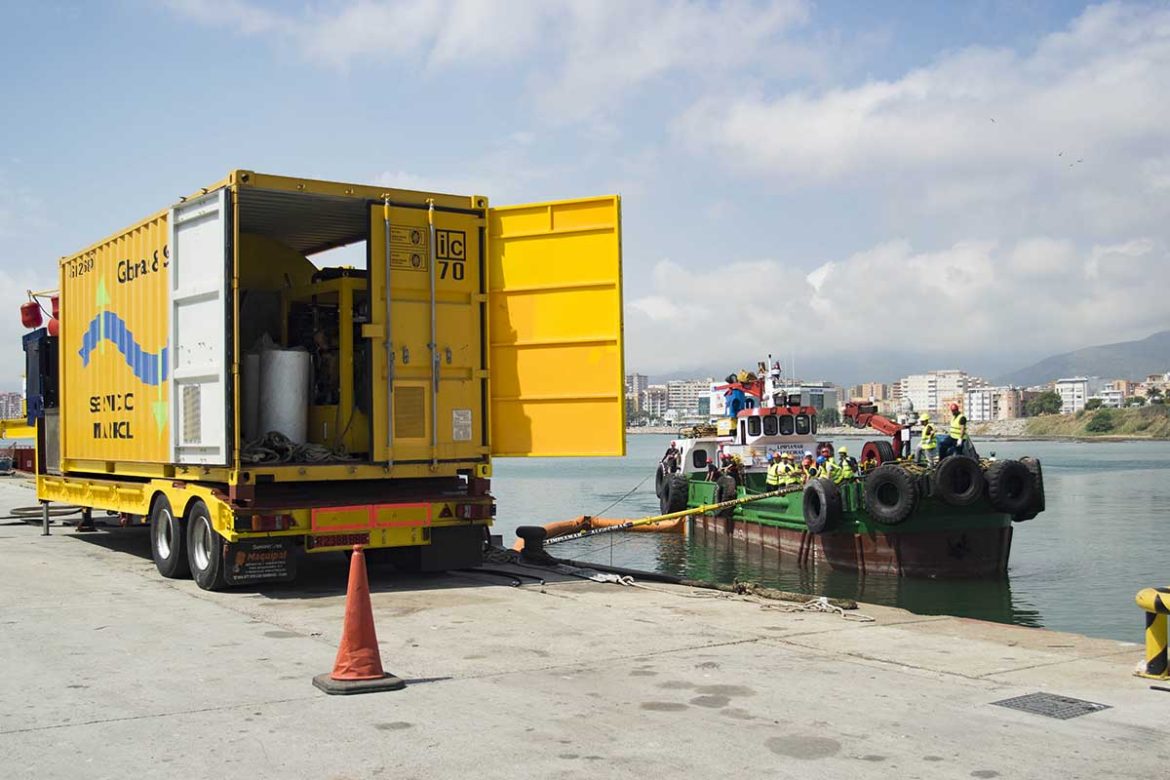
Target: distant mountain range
[(1125, 360)]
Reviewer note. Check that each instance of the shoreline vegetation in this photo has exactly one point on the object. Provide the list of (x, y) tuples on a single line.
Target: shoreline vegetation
[(1144, 423)]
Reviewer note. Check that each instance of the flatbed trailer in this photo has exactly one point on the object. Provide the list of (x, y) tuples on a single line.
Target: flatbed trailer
[(472, 332)]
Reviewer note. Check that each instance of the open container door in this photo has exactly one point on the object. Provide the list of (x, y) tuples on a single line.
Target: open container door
[(200, 259), (557, 376)]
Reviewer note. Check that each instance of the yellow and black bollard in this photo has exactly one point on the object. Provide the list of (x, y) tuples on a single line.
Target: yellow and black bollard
[(1156, 603)]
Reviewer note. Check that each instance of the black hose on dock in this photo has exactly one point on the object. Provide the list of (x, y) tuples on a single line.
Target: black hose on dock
[(739, 588)]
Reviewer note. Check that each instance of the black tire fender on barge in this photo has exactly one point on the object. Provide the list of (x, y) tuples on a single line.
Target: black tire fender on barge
[(891, 494), (1011, 487), (660, 479), (959, 481), (1033, 465), (881, 451), (822, 505), (726, 490), (674, 497)]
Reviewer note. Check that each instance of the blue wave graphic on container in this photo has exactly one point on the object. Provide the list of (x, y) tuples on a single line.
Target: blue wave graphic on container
[(149, 367)]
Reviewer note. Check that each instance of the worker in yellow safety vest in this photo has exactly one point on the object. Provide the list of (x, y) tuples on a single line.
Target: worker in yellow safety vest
[(822, 469), (928, 445), (846, 467), (808, 468), (828, 466), (774, 470), (789, 472), (956, 434)]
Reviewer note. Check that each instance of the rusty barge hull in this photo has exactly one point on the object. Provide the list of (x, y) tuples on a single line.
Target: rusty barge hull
[(980, 552)]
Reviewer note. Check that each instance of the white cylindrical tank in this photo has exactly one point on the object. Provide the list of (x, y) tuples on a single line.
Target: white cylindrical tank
[(251, 397), (284, 392)]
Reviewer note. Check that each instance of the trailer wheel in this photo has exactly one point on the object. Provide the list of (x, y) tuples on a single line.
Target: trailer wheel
[(168, 540), (204, 548)]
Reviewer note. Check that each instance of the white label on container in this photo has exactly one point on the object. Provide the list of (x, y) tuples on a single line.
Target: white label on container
[(461, 424)]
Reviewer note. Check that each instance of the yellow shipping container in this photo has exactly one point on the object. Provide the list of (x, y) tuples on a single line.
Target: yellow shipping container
[(187, 339), (115, 366)]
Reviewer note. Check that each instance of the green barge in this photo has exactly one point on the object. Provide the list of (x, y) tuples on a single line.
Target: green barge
[(897, 517)]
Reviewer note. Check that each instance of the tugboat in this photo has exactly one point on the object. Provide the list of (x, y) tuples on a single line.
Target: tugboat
[(898, 517)]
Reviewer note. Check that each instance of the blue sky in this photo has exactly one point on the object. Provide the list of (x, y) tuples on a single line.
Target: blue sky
[(881, 186)]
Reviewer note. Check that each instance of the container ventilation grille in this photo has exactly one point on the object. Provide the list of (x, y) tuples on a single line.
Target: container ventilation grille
[(410, 412), (192, 414)]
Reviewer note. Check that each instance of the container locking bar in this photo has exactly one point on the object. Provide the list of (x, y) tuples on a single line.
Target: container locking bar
[(434, 346), (389, 342)]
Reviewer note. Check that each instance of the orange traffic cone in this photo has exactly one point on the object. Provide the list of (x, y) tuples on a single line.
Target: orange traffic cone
[(358, 668)]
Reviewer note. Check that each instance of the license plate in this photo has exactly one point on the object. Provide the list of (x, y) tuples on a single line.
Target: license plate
[(337, 541)]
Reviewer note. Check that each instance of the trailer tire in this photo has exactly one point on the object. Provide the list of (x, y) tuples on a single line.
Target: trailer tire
[(726, 490), (674, 498), (821, 505), (1011, 487), (204, 548), (891, 494), (959, 481), (168, 540)]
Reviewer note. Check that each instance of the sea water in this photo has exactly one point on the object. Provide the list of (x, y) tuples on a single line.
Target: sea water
[(1104, 535)]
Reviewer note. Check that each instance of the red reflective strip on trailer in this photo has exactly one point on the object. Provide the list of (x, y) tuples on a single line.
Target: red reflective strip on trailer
[(401, 515), (320, 518)]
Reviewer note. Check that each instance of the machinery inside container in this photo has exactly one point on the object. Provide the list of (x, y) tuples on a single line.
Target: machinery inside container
[(302, 317)]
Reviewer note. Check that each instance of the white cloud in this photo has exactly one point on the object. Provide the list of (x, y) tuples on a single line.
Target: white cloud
[(961, 298), (243, 16), (592, 53), (504, 172), (1093, 90), (612, 47)]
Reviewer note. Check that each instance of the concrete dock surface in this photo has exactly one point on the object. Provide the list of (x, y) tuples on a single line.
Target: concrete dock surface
[(112, 671)]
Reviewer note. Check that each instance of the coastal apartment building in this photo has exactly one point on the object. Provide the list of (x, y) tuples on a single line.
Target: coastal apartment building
[(1111, 397), (821, 395), (1075, 391), (653, 401), (870, 391), (684, 395), (1160, 382), (636, 383), (936, 390), (1127, 387), (984, 404)]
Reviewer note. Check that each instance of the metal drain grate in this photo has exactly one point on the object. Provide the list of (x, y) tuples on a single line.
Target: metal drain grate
[(1052, 706)]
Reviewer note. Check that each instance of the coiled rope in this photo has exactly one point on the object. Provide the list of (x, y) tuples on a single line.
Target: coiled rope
[(274, 447)]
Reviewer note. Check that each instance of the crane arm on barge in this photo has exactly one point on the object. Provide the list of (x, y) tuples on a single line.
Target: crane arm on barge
[(863, 415)]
